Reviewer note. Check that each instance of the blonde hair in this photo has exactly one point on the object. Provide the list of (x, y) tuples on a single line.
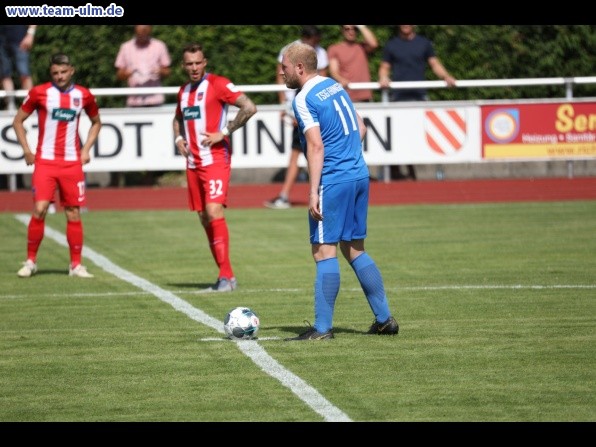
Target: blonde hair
[(303, 53)]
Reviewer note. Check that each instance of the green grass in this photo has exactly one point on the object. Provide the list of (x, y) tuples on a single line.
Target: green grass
[(496, 304)]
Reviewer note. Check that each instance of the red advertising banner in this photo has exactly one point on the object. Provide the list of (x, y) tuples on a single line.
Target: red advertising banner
[(538, 131)]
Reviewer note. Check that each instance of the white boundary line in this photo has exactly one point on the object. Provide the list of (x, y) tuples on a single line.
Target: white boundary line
[(412, 289), (251, 348)]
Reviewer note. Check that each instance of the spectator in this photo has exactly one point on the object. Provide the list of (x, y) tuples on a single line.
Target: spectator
[(348, 60), (202, 135), (331, 133), (16, 42), (405, 56), (58, 158), (142, 61), (310, 35)]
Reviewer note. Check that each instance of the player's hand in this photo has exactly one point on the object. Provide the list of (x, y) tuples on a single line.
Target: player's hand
[(313, 207), (85, 157), (212, 138), (29, 158), (182, 147)]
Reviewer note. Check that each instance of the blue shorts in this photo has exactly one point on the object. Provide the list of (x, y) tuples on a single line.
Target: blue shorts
[(345, 210)]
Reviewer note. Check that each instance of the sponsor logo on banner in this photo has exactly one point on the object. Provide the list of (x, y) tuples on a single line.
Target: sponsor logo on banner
[(445, 130), (502, 125)]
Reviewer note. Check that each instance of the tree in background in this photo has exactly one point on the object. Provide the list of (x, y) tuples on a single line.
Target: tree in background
[(471, 51)]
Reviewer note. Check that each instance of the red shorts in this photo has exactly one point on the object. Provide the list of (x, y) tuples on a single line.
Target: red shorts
[(68, 177), (208, 184)]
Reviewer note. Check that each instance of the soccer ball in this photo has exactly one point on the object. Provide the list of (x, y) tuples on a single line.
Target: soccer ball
[(241, 323)]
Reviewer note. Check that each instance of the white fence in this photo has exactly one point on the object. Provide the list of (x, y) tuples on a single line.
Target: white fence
[(566, 82)]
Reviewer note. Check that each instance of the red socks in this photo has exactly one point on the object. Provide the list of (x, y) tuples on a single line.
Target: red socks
[(219, 242), (35, 232), (74, 236)]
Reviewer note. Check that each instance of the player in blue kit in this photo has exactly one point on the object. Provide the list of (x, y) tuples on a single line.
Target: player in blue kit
[(331, 133)]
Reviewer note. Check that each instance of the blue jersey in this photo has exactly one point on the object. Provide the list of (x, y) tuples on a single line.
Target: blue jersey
[(323, 102)]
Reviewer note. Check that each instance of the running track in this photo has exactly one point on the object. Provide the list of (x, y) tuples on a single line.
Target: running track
[(393, 193)]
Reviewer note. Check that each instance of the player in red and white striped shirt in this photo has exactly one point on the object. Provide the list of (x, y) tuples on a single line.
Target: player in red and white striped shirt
[(58, 158), (201, 131)]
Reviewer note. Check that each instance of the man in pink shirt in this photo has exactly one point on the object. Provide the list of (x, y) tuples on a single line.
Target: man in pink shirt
[(143, 61), (348, 60)]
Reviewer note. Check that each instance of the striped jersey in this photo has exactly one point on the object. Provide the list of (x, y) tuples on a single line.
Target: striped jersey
[(58, 118), (323, 102), (203, 107)]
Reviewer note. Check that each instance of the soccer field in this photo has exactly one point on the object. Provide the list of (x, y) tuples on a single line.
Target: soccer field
[(496, 305)]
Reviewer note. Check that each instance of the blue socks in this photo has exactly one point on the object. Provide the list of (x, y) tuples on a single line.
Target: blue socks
[(372, 284), (326, 290)]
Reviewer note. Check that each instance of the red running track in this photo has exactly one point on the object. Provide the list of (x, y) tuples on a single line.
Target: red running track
[(393, 193)]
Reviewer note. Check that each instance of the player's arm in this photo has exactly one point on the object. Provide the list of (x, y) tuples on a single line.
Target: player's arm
[(178, 135), (315, 153), (91, 139), (21, 133), (247, 109), (361, 126)]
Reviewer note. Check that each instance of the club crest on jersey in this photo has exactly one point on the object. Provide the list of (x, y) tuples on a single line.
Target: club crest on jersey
[(191, 113), (63, 114), (76, 102)]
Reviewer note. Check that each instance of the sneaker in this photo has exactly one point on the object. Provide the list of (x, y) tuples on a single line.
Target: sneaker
[(312, 334), (224, 285), (279, 203), (28, 269), (389, 327), (80, 271)]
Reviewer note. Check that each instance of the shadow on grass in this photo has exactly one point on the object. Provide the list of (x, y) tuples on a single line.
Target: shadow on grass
[(192, 285), (44, 272), (300, 329)]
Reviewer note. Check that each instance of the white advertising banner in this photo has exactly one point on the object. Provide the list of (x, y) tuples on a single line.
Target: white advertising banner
[(142, 139)]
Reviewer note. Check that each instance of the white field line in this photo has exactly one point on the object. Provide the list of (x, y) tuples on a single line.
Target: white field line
[(354, 289), (251, 348)]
